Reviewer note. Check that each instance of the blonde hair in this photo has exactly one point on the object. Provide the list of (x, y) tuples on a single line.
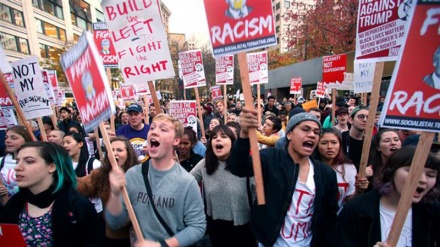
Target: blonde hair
[(178, 126)]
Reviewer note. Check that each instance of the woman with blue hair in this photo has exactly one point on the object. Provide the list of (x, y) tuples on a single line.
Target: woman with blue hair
[(47, 209)]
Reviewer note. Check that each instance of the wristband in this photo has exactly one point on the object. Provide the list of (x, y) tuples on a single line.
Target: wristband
[(163, 243)]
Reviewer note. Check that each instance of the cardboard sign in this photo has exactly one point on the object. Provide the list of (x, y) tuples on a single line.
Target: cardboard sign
[(295, 85), (88, 81), (333, 68), (413, 100), (236, 26), (192, 68), (48, 86), (141, 43), (185, 112), (363, 76), (142, 88), (29, 88), (224, 70), (320, 90), (258, 67), (103, 42), (216, 93), (5, 100), (5, 66), (309, 105), (7, 118), (381, 29), (128, 92)]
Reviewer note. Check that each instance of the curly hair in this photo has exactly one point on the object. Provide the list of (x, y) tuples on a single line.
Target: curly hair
[(401, 158)]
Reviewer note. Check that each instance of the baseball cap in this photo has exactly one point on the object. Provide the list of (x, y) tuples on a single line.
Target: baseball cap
[(299, 118), (134, 107), (301, 100), (341, 110)]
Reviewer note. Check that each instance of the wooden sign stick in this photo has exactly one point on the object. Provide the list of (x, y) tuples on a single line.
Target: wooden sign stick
[(125, 197), (112, 123), (333, 106), (244, 74), (225, 102), (184, 94), (154, 97), (202, 126), (415, 171), (371, 114), (53, 118), (98, 144), (146, 110), (258, 101), (20, 113), (41, 127)]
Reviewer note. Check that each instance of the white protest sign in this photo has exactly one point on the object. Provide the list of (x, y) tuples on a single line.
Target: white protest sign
[(347, 83), (7, 118), (363, 76), (192, 68), (258, 67), (185, 112), (48, 86), (5, 66), (139, 36), (224, 70), (29, 88)]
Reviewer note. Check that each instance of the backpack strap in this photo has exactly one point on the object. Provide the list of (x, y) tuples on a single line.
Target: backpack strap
[(90, 165)]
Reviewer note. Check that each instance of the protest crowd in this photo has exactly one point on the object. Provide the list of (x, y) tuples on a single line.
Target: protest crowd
[(63, 192), (117, 165)]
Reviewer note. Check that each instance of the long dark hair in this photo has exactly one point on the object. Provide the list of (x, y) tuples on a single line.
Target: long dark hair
[(340, 157), (211, 161), (83, 155), (375, 157), (400, 158), (102, 180)]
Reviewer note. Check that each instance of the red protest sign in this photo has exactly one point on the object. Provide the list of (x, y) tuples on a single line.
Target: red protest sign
[(103, 42), (333, 68), (128, 92), (48, 86), (5, 101), (192, 68), (88, 81), (236, 26), (320, 90), (381, 28), (216, 93), (295, 85), (185, 112), (52, 74), (413, 100), (224, 70)]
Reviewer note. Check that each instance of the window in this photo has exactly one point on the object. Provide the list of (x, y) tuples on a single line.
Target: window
[(51, 30), (11, 15), (278, 6), (99, 16), (14, 43), (277, 18), (54, 55), (75, 37), (80, 14), (277, 29), (287, 4), (54, 7)]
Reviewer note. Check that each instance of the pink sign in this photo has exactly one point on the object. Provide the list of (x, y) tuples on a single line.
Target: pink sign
[(192, 68)]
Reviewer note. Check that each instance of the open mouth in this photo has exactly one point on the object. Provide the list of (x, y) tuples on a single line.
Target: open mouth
[(308, 144), (393, 149), (420, 190), (154, 143), (218, 147)]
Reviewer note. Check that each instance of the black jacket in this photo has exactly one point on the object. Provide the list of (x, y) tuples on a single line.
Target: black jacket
[(74, 219), (280, 174), (359, 223)]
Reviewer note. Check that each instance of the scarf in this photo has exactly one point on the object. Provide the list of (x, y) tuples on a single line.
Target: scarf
[(42, 199)]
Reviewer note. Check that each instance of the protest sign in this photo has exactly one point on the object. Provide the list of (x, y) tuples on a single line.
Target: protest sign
[(320, 90), (7, 118), (53, 78), (295, 85), (346, 84), (103, 42), (138, 34), (224, 70), (128, 92), (216, 93), (5, 101), (5, 66), (89, 83), (29, 88), (185, 112), (309, 105), (363, 77), (333, 68), (192, 68), (257, 67), (48, 86), (413, 100), (236, 26), (381, 29)]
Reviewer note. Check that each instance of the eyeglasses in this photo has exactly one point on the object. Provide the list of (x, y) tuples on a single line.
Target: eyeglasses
[(362, 116)]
